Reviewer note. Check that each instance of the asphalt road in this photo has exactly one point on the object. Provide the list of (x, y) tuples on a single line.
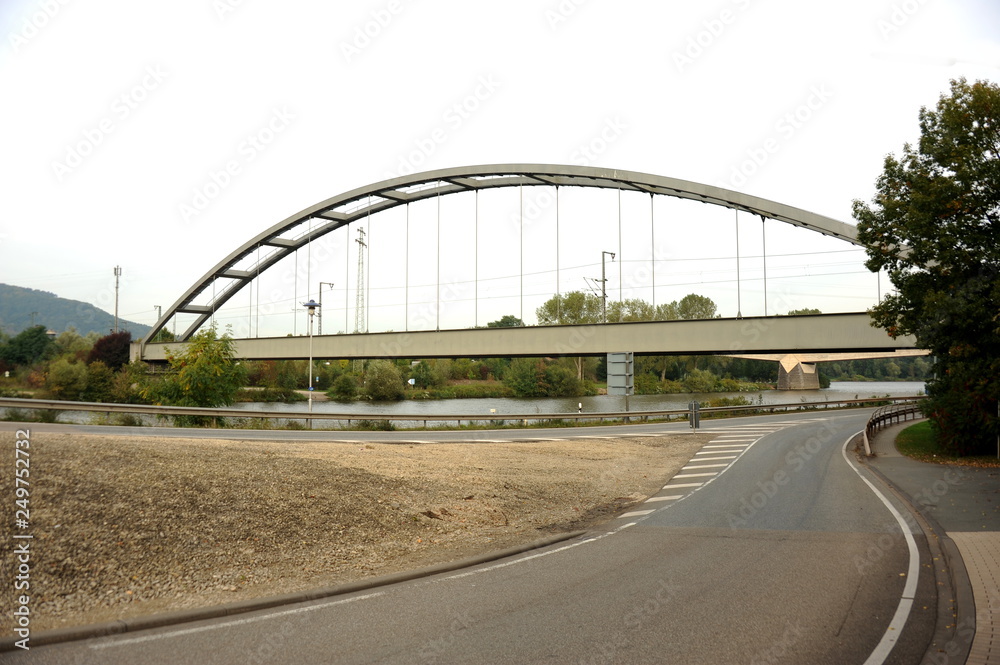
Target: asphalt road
[(785, 556)]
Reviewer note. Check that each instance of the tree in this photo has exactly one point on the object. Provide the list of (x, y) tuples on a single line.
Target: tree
[(27, 347), (630, 309), (805, 310), (934, 225), (112, 349), (693, 306), (100, 383), (576, 307), (344, 387), (66, 379), (506, 321), (70, 343), (422, 375), (205, 373), (667, 312), (383, 381), (526, 377)]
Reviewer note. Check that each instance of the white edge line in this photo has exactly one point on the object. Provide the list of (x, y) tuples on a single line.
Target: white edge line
[(233, 622), (895, 628)]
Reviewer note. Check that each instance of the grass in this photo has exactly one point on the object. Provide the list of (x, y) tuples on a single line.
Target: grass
[(918, 442)]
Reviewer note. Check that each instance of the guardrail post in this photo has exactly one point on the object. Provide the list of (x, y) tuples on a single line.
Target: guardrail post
[(694, 416)]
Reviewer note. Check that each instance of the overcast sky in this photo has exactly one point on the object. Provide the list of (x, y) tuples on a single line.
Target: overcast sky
[(159, 137)]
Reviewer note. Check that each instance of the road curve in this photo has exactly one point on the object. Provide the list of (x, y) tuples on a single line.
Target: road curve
[(768, 547)]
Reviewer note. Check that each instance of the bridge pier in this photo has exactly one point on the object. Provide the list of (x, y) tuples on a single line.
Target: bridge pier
[(793, 374)]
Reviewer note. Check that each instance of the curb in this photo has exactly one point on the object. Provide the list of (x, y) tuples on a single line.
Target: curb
[(251, 605)]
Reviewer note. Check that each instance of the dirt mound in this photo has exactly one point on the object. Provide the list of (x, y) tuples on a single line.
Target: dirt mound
[(131, 526)]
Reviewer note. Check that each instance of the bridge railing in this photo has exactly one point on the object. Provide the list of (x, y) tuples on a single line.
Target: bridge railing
[(629, 416), (889, 415)]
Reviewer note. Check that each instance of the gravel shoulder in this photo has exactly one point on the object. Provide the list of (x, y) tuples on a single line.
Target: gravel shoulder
[(126, 527)]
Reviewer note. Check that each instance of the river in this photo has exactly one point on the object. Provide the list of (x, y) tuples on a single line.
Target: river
[(838, 390)]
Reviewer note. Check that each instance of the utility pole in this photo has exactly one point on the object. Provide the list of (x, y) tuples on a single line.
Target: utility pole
[(320, 317), (604, 291), (118, 272), (359, 305)]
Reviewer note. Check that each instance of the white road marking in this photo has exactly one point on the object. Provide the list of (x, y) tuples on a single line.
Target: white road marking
[(895, 629), (233, 622), (689, 467), (712, 459), (696, 475), (669, 497), (673, 487), (636, 513)]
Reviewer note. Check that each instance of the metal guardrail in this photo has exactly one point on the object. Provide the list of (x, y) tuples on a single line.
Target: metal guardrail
[(170, 411), (887, 415)]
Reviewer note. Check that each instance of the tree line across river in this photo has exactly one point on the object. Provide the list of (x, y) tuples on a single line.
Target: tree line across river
[(205, 372)]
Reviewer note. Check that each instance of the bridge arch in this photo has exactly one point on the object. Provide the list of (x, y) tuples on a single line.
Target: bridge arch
[(295, 232)]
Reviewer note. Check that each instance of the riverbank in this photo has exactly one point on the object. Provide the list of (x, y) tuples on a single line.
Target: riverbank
[(133, 526)]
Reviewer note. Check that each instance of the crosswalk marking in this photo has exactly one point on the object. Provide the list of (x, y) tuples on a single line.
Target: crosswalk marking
[(726, 447), (637, 513)]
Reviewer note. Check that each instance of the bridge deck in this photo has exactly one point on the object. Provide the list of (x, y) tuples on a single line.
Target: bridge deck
[(778, 334)]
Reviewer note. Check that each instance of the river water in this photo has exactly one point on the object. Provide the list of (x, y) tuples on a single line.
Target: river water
[(838, 390), (499, 407)]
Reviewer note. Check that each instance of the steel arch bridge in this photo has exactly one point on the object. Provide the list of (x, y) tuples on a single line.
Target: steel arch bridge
[(229, 277)]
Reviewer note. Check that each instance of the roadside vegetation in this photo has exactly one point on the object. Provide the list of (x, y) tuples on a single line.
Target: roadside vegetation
[(920, 442), (206, 373), (933, 226)]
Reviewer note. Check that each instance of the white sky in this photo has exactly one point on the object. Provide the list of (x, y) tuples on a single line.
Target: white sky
[(119, 113)]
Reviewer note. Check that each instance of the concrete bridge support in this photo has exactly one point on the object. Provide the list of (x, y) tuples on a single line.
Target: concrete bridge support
[(793, 374)]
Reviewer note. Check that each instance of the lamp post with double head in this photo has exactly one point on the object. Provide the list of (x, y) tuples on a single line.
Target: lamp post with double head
[(312, 306)]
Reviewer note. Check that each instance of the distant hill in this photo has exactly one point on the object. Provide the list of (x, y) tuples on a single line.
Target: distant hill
[(55, 313)]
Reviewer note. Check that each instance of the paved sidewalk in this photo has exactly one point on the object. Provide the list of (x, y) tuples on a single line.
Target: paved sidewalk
[(963, 504)]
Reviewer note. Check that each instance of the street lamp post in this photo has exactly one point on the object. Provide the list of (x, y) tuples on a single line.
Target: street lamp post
[(321, 285), (312, 306)]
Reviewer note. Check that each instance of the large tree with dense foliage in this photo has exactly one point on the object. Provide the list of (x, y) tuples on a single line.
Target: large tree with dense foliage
[(27, 347), (575, 307), (383, 381), (934, 225), (112, 350)]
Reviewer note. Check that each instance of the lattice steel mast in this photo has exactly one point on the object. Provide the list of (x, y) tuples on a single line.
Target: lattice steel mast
[(359, 305)]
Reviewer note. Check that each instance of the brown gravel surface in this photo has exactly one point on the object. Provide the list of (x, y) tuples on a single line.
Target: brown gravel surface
[(126, 527)]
